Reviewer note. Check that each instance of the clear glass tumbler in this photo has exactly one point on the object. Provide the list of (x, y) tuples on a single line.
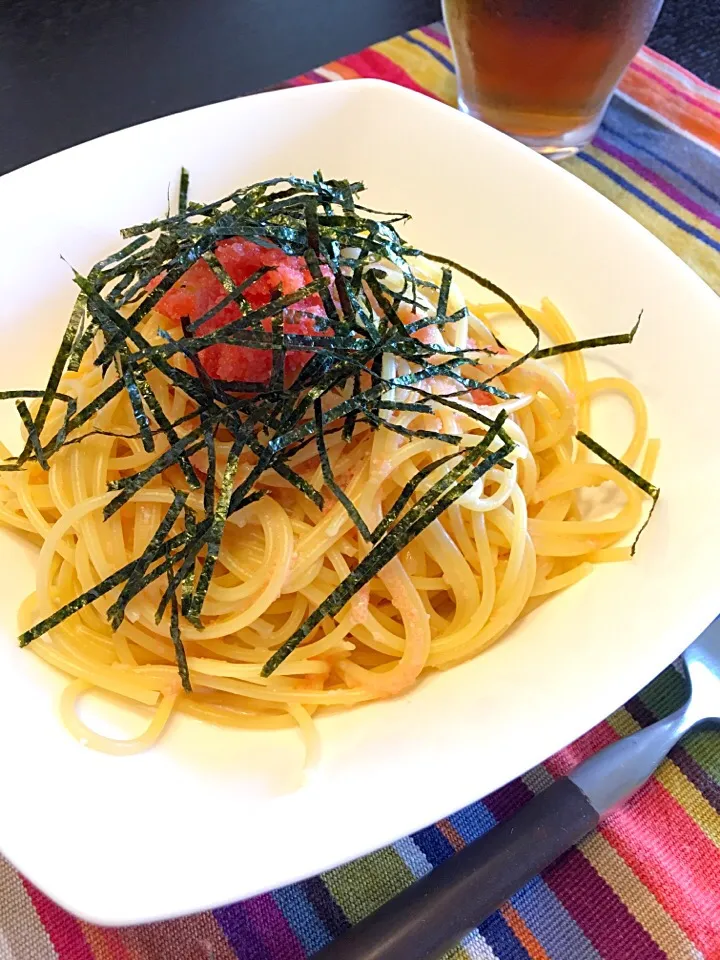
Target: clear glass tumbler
[(543, 71)]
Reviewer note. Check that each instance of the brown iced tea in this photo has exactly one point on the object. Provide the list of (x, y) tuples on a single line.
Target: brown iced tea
[(543, 70)]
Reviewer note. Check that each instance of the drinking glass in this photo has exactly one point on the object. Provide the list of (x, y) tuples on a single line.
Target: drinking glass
[(543, 71)]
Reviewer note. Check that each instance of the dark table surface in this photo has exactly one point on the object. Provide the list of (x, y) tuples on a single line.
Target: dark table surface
[(74, 69)]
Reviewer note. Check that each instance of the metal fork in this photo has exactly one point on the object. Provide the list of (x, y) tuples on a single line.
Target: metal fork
[(432, 915)]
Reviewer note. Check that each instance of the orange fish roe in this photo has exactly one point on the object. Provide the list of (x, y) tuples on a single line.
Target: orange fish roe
[(198, 290)]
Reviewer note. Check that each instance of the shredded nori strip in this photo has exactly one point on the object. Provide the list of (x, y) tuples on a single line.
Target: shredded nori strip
[(297, 480), (180, 656), (138, 408), (134, 583), (576, 345), (622, 468), (216, 530), (209, 491), (329, 478), (167, 428), (406, 493), (234, 295), (350, 419), (414, 522), (504, 295), (83, 337), (130, 485), (94, 593), (33, 441), (183, 191), (56, 373), (340, 389), (411, 486)]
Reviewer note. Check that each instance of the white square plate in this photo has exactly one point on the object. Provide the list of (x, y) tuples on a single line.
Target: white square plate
[(214, 815)]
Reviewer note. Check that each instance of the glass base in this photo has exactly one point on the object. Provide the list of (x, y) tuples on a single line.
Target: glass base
[(557, 147)]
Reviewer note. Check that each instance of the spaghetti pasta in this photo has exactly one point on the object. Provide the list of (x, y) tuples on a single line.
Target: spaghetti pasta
[(308, 526)]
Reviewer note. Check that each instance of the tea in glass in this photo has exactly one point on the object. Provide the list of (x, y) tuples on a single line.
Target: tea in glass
[(544, 70)]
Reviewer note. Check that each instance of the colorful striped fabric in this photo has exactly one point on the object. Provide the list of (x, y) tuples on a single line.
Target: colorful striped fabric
[(646, 886)]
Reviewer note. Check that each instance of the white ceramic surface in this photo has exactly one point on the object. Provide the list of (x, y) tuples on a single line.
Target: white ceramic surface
[(212, 815)]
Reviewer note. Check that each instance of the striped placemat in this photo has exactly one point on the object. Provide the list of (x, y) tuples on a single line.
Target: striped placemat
[(646, 886)]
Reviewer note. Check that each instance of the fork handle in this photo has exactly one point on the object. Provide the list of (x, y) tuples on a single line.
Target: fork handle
[(430, 916), (613, 774)]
